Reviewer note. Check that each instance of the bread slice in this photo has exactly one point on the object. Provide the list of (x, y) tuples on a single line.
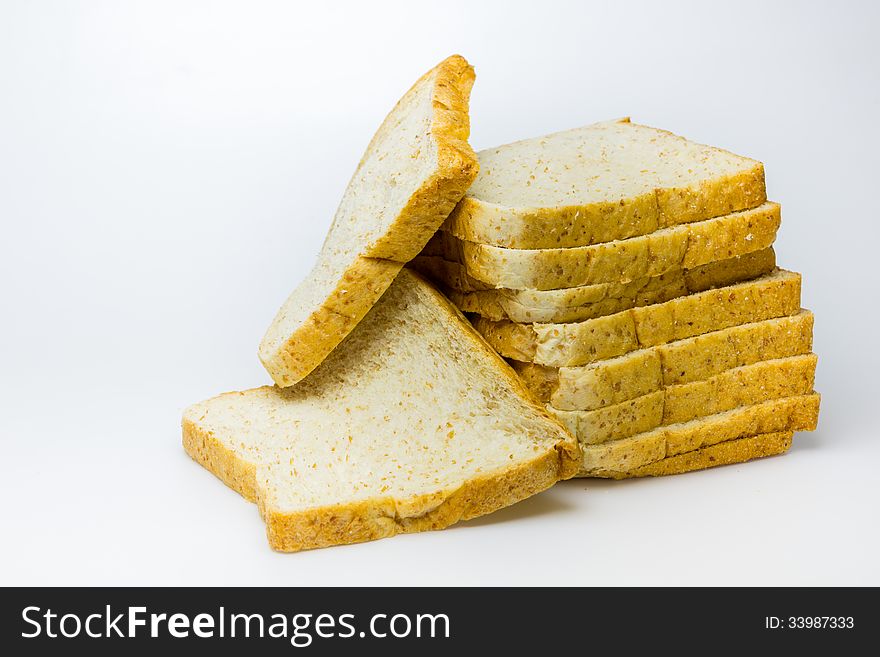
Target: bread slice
[(647, 370), (799, 413), (740, 386), (580, 343), (590, 301), (413, 423), (656, 253), (678, 247), (727, 453), (416, 168), (599, 183)]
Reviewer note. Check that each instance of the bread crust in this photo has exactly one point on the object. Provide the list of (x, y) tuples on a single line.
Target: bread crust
[(735, 388), (373, 272), (597, 300), (679, 247), (635, 374), (581, 343), (726, 453), (799, 413)]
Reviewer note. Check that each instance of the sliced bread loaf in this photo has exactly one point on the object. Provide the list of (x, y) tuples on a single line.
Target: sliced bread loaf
[(590, 301), (412, 423), (677, 247), (740, 386), (415, 169), (647, 370), (602, 182), (727, 453), (580, 343), (799, 413)]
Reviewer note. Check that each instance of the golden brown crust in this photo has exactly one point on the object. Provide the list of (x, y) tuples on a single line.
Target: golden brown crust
[(539, 228), (589, 341), (587, 302), (712, 198), (206, 450), (740, 387), (726, 453), (799, 413)]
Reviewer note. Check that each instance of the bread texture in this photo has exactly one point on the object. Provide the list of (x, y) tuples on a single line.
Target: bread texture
[(647, 370), (603, 182), (416, 168), (589, 301), (727, 453), (412, 423), (799, 413), (740, 386), (678, 247), (580, 343)]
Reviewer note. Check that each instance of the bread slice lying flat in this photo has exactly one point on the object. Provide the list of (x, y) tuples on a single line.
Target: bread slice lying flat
[(740, 386), (641, 372), (799, 413), (416, 168), (727, 453), (590, 301), (677, 247), (602, 182), (412, 423), (580, 343)]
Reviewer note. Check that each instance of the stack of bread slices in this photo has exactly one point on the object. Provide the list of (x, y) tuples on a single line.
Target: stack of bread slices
[(628, 276)]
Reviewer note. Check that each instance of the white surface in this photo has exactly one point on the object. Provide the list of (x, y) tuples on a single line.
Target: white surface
[(168, 170)]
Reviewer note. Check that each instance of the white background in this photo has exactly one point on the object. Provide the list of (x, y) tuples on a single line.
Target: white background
[(168, 171)]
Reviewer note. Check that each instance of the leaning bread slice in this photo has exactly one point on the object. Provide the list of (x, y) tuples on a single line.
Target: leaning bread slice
[(602, 182), (727, 453), (590, 301), (647, 370), (416, 168), (677, 247), (737, 387), (412, 423), (799, 413), (580, 343)]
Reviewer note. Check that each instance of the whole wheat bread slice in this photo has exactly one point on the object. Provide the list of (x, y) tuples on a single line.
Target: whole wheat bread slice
[(599, 183), (647, 370), (589, 301), (677, 247), (415, 169), (412, 423), (799, 413), (580, 343), (726, 453), (734, 388)]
